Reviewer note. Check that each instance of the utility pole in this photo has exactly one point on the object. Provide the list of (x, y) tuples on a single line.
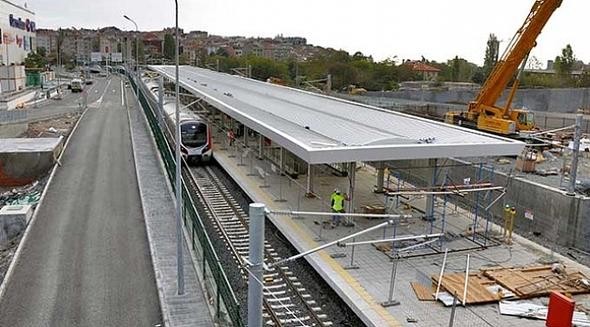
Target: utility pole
[(136, 43), (179, 258)]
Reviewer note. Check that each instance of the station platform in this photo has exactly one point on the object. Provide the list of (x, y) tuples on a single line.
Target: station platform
[(362, 279)]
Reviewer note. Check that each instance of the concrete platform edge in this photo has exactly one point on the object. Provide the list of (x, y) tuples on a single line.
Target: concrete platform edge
[(374, 320)]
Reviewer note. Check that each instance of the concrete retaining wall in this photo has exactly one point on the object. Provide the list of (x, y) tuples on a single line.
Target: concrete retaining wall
[(11, 130), (556, 216), (554, 100)]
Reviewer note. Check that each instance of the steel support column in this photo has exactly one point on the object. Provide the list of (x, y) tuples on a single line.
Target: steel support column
[(256, 259), (429, 212)]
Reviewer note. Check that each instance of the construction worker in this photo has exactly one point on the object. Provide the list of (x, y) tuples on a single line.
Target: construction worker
[(231, 136), (509, 215), (337, 205)]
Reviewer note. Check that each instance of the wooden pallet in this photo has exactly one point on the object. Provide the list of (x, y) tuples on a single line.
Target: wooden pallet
[(423, 292), (476, 287), (527, 282)]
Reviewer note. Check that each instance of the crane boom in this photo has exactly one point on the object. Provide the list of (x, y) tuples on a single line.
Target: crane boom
[(484, 113), (520, 45)]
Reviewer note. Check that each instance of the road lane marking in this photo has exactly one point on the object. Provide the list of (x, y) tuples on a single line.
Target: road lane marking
[(99, 101), (122, 97)]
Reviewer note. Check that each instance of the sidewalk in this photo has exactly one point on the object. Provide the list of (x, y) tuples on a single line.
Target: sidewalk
[(190, 309)]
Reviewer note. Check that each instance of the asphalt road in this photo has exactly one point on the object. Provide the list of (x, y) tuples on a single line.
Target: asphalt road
[(69, 103), (86, 261)]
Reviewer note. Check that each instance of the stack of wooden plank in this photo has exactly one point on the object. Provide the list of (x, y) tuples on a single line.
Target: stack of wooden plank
[(527, 282), (477, 284), (374, 209), (520, 282)]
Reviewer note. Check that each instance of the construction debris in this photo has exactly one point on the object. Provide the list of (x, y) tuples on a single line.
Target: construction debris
[(374, 209), (495, 284), (535, 311), (477, 284), (528, 282), (423, 293)]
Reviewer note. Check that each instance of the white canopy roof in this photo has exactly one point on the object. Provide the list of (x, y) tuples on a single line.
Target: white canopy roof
[(323, 129)]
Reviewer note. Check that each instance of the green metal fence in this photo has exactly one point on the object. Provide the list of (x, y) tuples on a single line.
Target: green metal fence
[(227, 311)]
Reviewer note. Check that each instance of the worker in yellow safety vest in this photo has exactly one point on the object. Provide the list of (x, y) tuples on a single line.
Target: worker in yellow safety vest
[(337, 205), (509, 214)]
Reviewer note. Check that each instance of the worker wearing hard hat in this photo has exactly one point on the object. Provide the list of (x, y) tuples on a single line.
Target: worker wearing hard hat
[(337, 206)]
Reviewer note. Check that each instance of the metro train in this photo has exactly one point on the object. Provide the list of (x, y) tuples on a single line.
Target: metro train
[(196, 145)]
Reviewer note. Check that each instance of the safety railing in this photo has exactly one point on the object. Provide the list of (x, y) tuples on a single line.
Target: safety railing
[(227, 307)]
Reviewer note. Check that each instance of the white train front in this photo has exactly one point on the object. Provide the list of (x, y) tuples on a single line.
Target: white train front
[(195, 133)]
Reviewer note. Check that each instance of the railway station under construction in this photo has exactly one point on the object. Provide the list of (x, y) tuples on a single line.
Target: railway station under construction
[(424, 237)]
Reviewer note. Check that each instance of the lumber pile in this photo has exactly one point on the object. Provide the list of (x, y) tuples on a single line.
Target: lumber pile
[(528, 282), (494, 284)]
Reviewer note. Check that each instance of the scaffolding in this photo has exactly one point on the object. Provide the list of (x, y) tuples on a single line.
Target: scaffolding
[(439, 185)]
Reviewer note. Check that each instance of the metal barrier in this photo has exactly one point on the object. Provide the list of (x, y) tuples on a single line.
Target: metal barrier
[(227, 308)]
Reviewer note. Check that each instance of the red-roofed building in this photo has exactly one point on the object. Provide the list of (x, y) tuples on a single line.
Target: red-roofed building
[(428, 72)]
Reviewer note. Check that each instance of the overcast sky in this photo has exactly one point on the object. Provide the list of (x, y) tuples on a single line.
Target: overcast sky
[(409, 29)]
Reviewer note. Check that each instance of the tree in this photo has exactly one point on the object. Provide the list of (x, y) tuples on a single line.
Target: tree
[(35, 60), (491, 57), (221, 52), (564, 64), (42, 52), (534, 63), (455, 69), (169, 47)]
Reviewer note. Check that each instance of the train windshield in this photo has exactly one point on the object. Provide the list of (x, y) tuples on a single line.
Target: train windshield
[(193, 134)]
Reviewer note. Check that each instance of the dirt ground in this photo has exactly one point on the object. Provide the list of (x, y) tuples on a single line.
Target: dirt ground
[(52, 127)]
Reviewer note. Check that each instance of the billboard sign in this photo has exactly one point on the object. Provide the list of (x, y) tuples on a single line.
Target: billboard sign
[(117, 57), (96, 57)]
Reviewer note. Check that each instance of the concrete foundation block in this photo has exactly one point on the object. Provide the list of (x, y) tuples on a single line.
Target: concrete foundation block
[(13, 220)]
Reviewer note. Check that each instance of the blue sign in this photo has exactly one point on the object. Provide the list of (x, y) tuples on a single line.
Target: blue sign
[(26, 25)]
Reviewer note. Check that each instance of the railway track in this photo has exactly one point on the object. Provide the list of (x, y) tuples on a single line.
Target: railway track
[(286, 300)]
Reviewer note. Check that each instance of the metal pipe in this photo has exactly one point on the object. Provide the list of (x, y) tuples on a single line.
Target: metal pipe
[(458, 191), (313, 213), (319, 248), (440, 276), (466, 280), (256, 259), (179, 257), (398, 239)]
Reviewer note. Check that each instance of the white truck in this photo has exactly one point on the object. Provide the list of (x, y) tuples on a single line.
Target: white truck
[(77, 85)]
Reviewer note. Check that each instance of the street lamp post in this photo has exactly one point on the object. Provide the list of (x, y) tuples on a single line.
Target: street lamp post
[(179, 258), (136, 43)]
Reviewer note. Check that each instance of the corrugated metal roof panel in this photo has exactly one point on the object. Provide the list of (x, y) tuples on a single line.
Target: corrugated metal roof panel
[(322, 129)]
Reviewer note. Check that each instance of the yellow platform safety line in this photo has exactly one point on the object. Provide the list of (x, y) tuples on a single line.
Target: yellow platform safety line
[(350, 280)]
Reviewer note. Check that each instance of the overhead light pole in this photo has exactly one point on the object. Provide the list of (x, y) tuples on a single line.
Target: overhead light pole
[(136, 43), (179, 258)]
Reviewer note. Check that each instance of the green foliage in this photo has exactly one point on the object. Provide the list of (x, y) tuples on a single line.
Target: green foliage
[(491, 57), (564, 64), (540, 80), (35, 61), (169, 47), (457, 70), (42, 52), (345, 69)]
